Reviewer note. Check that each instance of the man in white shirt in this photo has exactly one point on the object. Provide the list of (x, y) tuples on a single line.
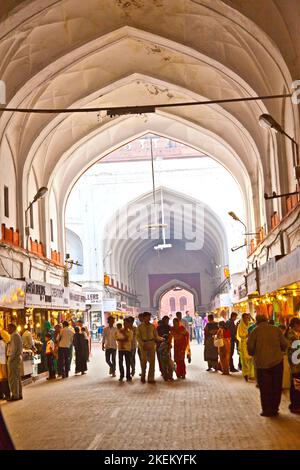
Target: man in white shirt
[(124, 338), (109, 345), (64, 345)]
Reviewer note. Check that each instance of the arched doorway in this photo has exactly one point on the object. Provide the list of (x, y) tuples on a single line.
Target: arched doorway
[(176, 299), (172, 295)]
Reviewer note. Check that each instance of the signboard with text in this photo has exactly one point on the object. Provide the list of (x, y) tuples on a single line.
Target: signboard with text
[(77, 300), (38, 294), (276, 274), (251, 282), (92, 298), (60, 297)]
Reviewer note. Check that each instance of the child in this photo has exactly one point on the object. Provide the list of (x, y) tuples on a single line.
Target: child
[(50, 356), (167, 365)]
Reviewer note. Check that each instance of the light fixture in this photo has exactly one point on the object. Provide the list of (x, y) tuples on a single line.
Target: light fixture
[(235, 248), (235, 217), (156, 226), (268, 122), (40, 194), (163, 246)]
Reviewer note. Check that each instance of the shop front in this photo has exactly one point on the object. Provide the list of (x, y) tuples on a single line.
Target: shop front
[(277, 288), (109, 309), (221, 306), (12, 302), (38, 318), (77, 309), (94, 310)]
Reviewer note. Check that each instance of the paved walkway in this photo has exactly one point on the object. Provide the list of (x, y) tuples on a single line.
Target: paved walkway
[(206, 411)]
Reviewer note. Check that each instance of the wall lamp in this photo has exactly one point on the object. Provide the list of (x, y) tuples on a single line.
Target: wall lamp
[(39, 195), (235, 217), (235, 248), (268, 122), (275, 195)]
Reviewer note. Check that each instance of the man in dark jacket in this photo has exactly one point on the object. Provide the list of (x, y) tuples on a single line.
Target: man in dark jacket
[(232, 328), (267, 344)]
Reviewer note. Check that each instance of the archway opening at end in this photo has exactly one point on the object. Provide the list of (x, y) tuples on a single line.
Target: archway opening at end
[(175, 300), (152, 216)]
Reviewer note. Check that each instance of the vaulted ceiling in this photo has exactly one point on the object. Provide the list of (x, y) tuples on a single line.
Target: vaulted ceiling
[(69, 53)]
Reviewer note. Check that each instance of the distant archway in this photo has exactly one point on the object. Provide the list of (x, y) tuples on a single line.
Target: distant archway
[(170, 286), (75, 249), (176, 299)]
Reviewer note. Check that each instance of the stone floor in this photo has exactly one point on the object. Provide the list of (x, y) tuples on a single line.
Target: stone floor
[(206, 411)]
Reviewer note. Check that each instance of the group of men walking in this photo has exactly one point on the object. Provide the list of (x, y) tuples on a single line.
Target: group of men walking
[(127, 340)]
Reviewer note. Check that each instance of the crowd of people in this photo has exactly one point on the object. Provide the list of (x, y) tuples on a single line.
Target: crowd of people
[(148, 340), (261, 347), (60, 344), (268, 353)]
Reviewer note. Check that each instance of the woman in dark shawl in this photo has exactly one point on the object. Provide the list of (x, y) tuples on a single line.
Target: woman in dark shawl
[(80, 352), (210, 351)]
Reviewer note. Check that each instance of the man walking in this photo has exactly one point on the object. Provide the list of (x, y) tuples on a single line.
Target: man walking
[(267, 344), (14, 352), (133, 345), (124, 338), (147, 337), (232, 328), (64, 350), (198, 324), (109, 345)]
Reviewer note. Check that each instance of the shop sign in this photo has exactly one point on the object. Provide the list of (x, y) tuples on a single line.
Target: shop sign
[(92, 298), (77, 300), (242, 291), (276, 274), (38, 294), (109, 305), (222, 300), (12, 293), (60, 297), (251, 282)]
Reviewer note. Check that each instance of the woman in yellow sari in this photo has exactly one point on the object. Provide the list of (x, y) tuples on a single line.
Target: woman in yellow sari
[(242, 337)]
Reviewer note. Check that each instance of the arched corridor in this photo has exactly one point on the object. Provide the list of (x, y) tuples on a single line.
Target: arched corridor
[(149, 163)]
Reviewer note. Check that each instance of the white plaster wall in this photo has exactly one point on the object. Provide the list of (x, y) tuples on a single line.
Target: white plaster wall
[(53, 216), (7, 178), (32, 190)]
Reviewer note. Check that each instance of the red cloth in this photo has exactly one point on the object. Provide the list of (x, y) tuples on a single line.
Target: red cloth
[(180, 368), (181, 341), (226, 333)]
